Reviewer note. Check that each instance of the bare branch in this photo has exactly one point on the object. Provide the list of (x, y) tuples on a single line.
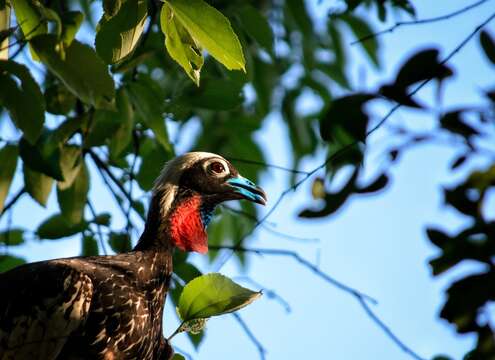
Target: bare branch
[(349, 146), (301, 260), (359, 296), (272, 294), (269, 227), (419, 22), (251, 336), (260, 163), (12, 201)]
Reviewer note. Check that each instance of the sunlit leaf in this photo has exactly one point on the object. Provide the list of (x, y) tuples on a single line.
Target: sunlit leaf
[(8, 154), (211, 295), (72, 200), (30, 20), (211, 30), (37, 185), (5, 30), (118, 36), (71, 22), (180, 45)]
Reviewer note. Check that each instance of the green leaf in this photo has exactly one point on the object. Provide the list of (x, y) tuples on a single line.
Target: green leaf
[(72, 200), (103, 219), (5, 30), (37, 185), (152, 155), (8, 154), (59, 100), (71, 22), (30, 20), (118, 36), (89, 246), (212, 295), (213, 94), (122, 136), (211, 30), (70, 165), (84, 74), (120, 242), (488, 45), (180, 45), (257, 26), (56, 227), (18, 89), (178, 357), (12, 237), (149, 112), (8, 262)]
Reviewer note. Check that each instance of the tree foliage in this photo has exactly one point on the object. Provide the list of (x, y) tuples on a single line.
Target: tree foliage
[(96, 99)]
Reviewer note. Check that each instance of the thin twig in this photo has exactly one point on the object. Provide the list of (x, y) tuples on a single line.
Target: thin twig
[(419, 22), (98, 228), (260, 163), (360, 297), (349, 146), (12, 201), (272, 294), (269, 227), (251, 336), (302, 261)]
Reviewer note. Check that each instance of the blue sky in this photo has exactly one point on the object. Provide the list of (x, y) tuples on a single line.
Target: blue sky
[(376, 244)]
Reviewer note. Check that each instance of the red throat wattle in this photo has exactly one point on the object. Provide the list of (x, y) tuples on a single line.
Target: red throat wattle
[(186, 227)]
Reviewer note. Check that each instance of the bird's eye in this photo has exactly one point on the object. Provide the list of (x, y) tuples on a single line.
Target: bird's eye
[(217, 167)]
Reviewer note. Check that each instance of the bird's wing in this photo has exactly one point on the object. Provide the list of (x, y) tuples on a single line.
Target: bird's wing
[(41, 305)]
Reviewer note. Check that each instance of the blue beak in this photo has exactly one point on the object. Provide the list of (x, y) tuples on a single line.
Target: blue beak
[(247, 190)]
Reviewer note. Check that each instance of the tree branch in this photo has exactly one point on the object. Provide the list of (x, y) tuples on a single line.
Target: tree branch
[(12, 201), (260, 163), (251, 336), (359, 296), (419, 22)]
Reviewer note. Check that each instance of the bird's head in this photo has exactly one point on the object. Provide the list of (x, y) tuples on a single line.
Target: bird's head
[(187, 191)]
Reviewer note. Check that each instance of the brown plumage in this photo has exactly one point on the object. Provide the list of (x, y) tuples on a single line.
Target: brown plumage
[(111, 307)]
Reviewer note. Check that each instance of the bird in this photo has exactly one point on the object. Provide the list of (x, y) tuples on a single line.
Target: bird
[(110, 307)]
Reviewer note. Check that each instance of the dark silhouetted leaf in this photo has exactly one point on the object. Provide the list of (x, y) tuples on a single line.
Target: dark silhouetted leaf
[(8, 154), (18, 89), (488, 45), (214, 94), (453, 122), (458, 162), (421, 66), (118, 35), (153, 157), (346, 113), (376, 185)]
